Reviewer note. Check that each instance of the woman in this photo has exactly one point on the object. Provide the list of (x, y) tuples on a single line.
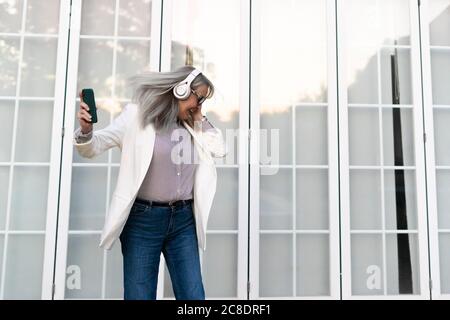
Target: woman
[(162, 200)]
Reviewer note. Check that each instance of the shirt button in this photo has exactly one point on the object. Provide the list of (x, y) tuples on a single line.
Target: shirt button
[(178, 173)]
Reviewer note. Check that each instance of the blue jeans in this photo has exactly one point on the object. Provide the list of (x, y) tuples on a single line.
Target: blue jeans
[(151, 230)]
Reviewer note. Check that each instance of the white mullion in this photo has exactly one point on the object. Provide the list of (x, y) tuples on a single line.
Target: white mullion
[(162, 62), (380, 105), (66, 165), (113, 38), (13, 150), (54, 174), (333, 178), (344, 156), (439, 48), (243, 147), (380, 129), (254, 63), (6, 98), (421, 188), (28, 35)]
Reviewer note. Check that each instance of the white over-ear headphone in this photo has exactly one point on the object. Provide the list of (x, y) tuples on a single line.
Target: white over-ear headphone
[(182, 90)]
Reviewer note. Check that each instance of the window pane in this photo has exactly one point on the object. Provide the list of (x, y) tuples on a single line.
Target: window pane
[(364, 136), (395, 268), (33, 140), (311, 141), (114, 273), (313, 265), (365, 199), (6, 130), (98, 17), (88, 198), (39, 67), (276, 200), (42, 16), (24, 267), (367, 264), (440, 69), (220, 258), (134, 18), (441, 119), (11, 16), (439, 17), (4, 180), (84, 267), (30, 184), (223, 215), (9, 51), (275, 265), (312, 199)]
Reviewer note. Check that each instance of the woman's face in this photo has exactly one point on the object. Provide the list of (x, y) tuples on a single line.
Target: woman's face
[(190, 105)]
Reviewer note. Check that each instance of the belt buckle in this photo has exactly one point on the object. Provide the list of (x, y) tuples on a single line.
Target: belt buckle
[(171, 203)]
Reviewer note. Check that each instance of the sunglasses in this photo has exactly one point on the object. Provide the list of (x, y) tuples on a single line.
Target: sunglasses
[(200, 99)]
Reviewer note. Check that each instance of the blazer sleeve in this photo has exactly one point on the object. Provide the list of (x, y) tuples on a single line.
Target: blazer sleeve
[(103, 139)]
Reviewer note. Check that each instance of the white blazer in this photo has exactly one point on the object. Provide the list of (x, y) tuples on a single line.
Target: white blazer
[(136, 145)]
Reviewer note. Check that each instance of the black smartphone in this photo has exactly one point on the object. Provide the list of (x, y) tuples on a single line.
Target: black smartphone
[(89, 99)]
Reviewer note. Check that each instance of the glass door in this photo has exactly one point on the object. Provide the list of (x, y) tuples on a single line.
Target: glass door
[(294, 217), (384, 226), (207, 35), (110, 40), (33, 51)]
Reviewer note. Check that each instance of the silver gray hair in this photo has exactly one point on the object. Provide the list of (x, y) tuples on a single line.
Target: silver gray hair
[(153, 93)]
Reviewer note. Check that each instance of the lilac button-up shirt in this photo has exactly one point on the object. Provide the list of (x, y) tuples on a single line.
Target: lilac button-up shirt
[(170, 176)]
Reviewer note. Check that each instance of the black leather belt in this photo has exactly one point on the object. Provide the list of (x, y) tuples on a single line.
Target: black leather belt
[(163, 204)]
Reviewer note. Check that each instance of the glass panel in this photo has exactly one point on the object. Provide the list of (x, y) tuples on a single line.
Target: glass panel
[(42, 16), (364, 136), (132, 56), (113, 182), (39, 67), (6, 130), (439, 17), (11, 16), (33, 141), (444, 262), (220, 259), (95, 65), (312, 199), (98, 17), (88, 198), (276, 200), (391, 192), (313, 265), (9, 51), (362, 80), (443, 198), (365, 199), (134, 18), (377, 22), (397, 262), (223, 215), (406, 137), (24, 267), (404, 75), (84, 267), (4, 180), (441, 119), (367, 264), (114, 273), (2, 243), (276, 124), (30, 183), (275, 265), (440, 69), (311, 142)]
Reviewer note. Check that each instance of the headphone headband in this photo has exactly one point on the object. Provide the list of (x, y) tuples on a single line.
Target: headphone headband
[(183, 89)]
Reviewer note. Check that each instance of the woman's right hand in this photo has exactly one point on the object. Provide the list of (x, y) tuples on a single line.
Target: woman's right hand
[(84, 117)]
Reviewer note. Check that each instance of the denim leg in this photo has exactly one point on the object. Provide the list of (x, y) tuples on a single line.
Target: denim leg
[(142, 240), (182, 257)]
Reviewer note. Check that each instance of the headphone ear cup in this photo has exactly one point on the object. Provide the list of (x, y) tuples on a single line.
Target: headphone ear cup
[(180, 91)]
